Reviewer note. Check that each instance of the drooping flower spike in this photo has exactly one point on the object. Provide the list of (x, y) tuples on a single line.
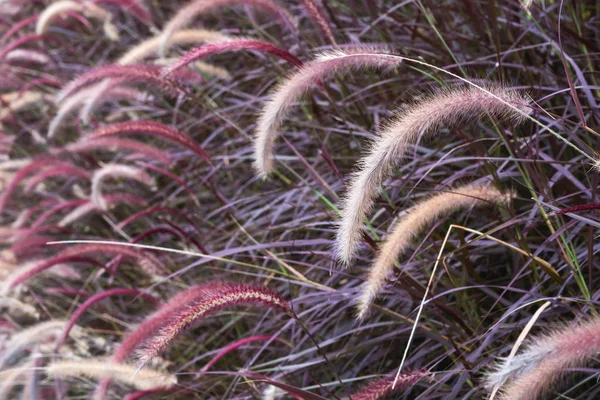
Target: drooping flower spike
[(146, 74), (391, 144), (230, 45), (283, 97), (410, 226), (119, 171), (224, 295), (532, 373), (152, 129), (141, 379), (195, 8), (86, 7)]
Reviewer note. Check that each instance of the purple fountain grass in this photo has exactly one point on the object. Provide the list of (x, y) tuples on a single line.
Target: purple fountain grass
[(116, 171), (39, 333), (290, 90), (27, 56), (31, 245), (235, 345), (82, 207), (141, 379), (148, 262), (113, 91), (88, 99), (143, 393), (114, 264), (582, 207), (90, 206), (195, 8), (318, 16), (421, 120), (150, 46), (87, 8), (64, 169), (17, 310), (96, 298), (171, 175), (408, 227), (385, 386), (226, 295), (133, 7), (117, 144), (153, 324), (16, 27), (152, 129), (532, 373), (230, 45), (146, 74), (23, 173), (23, 40), (17, 101)]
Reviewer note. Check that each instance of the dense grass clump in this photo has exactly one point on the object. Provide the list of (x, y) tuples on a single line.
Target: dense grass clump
[(311, 199)]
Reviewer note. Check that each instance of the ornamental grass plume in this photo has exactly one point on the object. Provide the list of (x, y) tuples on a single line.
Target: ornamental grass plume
[(116, 171), (225, 295), (141, 379), (10, 47), (17, 310), (547, 358), (36, 334), (152, 129), (133, 7), (150, 46), (118, 144), (424, 214), (385, 386), (185, 15), (146, 74), (286, 93), (422, 119), (86, 7), (63, 169), (230, 45), (28, 169), (152, 325), (79, 252), (82, 101), (94, 299), (11, 103), (318, 16)]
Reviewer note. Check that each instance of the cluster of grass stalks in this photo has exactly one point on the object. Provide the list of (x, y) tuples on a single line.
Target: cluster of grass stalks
[(309, 199)]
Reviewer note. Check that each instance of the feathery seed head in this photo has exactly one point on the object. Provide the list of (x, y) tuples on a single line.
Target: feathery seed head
[(383, 386), (152, 129), (411, 225), (230, 45), (141, 379), (422, 119), (195, 8), (146, 74), (530, 374), (225, 295), (282, 98), (116, 171)]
